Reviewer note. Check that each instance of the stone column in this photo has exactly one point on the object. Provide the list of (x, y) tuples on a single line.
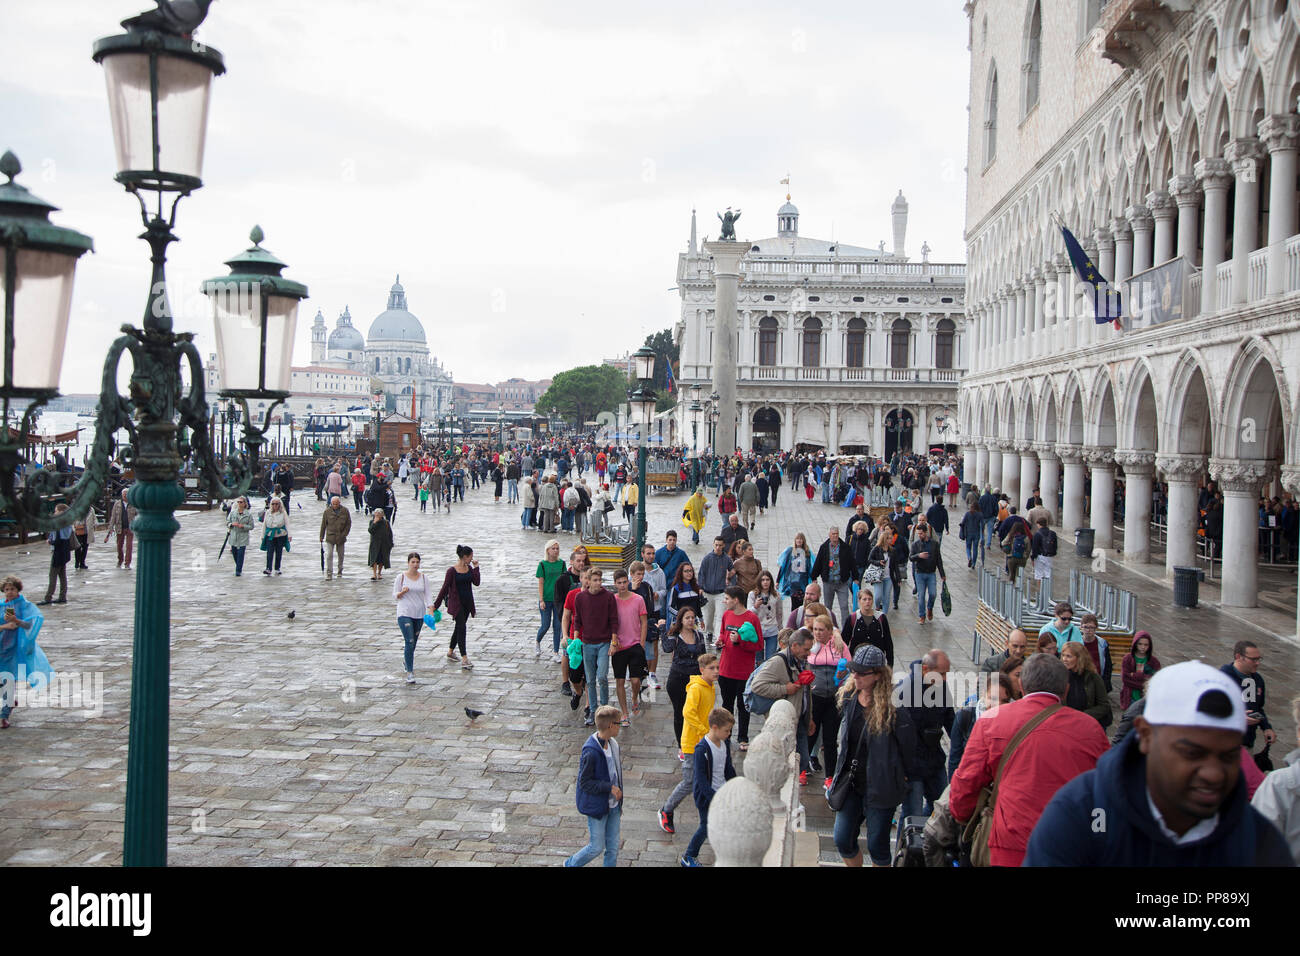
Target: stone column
[(1139, 466), (1021, 350), (1040, 299), (1278, 134), (1244, 156), (1072, 497), (1049, 478), (1291, 482), (1240, 481), (1106, 265), (1011, 471), (1215, 176), (726, 278), (1101, 461), (1139, 218), (970, 465), (1028, 473), (981, 465), (746, 431), (1188, 198), (1065, 304), (1163, 211), (1123, 233), (787, 426), (833, 438), (1182, 472), (995, 464)]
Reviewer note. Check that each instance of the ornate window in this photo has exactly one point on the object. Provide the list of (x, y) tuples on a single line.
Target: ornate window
[(1031, 66), (991, 117), (767, 338), (812, 342), (945, 334), (900, 339), (855, 344)]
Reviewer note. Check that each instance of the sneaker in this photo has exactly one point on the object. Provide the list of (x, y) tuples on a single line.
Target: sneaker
[(589, 723), (277, 574), (666, 822), (653, 681), (920, 620), (538, 655), (452, 655), (815, 764), (803, 778), (929, 616), (566, 690), (688, 861), (574, 700), (681, 755), (267, 573), (410, 677), (586, 711)]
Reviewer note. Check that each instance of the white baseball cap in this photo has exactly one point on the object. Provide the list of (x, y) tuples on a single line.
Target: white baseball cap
[(1191, 694)]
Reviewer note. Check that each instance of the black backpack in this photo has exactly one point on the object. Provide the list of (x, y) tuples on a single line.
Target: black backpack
[(1049, 544)]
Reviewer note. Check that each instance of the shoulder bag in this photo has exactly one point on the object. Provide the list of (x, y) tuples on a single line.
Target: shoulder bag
[(838, 794), (980, 825)]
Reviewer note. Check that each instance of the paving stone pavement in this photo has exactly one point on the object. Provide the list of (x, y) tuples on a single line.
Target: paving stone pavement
[(299, 742)]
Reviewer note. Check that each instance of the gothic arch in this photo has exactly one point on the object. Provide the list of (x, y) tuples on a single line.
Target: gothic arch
[(1191, 412), (1140, 412), (1256, 408)]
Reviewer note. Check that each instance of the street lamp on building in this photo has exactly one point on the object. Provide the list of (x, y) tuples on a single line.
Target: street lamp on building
[(158, 86), (377, 407), (642, 401), (942, 424)]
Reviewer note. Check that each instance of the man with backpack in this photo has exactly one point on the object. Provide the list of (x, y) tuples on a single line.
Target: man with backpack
[(782, 677), (1043, 550)]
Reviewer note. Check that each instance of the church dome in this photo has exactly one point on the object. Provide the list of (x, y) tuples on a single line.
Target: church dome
[(395, 324), (789, 209), (345, 337)]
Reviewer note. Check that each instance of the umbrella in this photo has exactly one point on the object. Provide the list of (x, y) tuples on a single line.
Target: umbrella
[(223, 546), (322, 557)]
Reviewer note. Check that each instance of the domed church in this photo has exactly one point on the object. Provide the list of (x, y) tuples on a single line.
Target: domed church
[(396, 352)]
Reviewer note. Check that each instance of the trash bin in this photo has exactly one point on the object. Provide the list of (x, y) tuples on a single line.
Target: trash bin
[(1187, 586), (1083, 540)]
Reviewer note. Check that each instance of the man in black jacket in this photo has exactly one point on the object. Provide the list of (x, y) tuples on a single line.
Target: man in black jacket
[(1244, 670), (989, 510), (937, 516), (924, 694), (926, 561), (835, 568)]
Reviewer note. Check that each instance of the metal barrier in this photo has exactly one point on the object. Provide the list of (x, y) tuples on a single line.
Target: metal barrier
[(1116, 609)]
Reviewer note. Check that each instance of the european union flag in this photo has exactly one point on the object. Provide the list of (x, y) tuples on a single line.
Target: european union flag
[(1106, 303)]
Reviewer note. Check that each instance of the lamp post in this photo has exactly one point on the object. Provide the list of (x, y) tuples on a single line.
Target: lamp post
[(896, 425), (501, 430), (642, 401), (941, 424), (158, 85)]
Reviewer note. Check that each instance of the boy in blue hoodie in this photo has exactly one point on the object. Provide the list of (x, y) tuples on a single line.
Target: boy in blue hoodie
[(600, 790), (713, 768)]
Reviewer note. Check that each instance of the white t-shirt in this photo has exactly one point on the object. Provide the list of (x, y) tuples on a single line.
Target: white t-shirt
[(719, 763), (417, 597), (798, 561)]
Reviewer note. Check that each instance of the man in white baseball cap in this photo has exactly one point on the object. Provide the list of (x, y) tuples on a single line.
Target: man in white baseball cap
[(1169, 794)]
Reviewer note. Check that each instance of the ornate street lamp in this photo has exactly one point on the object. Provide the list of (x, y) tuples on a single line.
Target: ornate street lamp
[(642, 401), (501, 432), (158, 84)]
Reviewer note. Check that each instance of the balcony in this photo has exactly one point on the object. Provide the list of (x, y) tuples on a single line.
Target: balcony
[(799, 374), (1131, 29)]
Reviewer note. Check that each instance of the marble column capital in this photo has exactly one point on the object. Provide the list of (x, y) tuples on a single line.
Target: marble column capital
[(1136, 462), (1181, 467), (1139, 217), (1241, 475), (1121, 230), (999, 445), (1214, 173), (1291, 478), (1024, 448), (1045, 451), (1099, 457), (1279, 132), (1244, 155), (1185, 190), (1070, 454), (1104, 240), (1161, 205)]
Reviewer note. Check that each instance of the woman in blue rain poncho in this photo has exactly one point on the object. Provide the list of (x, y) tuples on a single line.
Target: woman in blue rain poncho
[(20, 657)]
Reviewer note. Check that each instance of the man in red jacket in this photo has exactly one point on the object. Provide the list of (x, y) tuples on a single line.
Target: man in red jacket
[(1062, 746)]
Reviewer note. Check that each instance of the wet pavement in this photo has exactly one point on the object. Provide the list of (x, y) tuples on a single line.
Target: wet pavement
[(299, 741)]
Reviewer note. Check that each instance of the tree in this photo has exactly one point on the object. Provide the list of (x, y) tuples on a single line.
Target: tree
[(580, 394)]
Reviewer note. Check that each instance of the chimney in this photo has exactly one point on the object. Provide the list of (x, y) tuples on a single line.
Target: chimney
[(899, 210)]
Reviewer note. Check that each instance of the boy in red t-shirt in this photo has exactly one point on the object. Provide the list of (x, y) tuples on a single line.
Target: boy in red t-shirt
[(738, 657)]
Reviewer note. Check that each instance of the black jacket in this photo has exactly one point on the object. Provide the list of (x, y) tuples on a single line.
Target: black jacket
[(931, 709), (937, 515), (874, 631), (926, 565), (889, 757), (821, 568), (1252, 692), (989, 505), (854, 519)]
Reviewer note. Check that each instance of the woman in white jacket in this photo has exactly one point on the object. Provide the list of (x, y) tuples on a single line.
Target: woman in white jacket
[(276, 536)]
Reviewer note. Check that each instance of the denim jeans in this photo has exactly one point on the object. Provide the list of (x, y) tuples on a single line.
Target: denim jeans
[(526, 519), (595, 664), (972, 549), (988, 530), (849, 821), (826, 492), (700, 835), (923, 790), (883, 591), (566, 519), (926, 584), (550, 618), (410, 627), (512, 490), (685, 787), (770, 647), (238, 555), (602, 838)]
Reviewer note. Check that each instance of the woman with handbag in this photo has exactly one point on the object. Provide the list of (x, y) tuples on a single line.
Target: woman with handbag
[(793, 569), (412, 592), (878, 573), (458, 592), (686, 644), (276, 538), (381, 545), (868, 627), (876, 744)]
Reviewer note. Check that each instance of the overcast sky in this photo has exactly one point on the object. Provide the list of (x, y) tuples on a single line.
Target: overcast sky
[(528, 168)]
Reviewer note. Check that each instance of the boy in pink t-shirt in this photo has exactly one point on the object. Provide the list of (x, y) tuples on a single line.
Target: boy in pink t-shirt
[(628, 646)]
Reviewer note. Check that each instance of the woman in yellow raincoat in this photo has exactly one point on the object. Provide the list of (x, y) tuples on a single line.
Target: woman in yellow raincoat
[(693, 515)]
